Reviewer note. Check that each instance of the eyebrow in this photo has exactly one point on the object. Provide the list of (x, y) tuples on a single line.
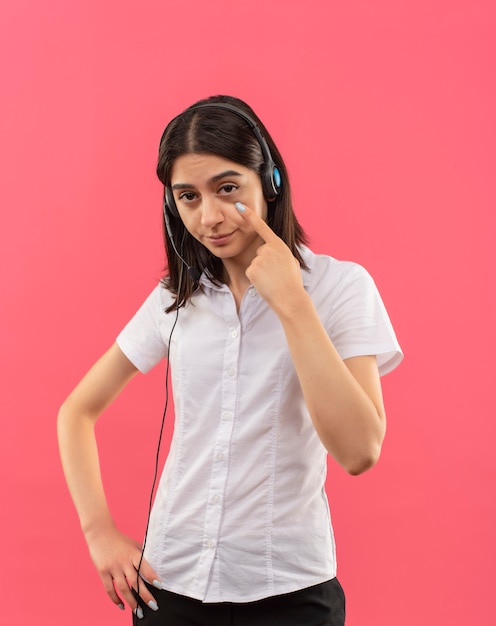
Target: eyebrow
[(214, 179)]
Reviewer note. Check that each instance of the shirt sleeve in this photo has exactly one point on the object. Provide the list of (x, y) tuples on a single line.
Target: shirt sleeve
[(142, 339), (359, 324)]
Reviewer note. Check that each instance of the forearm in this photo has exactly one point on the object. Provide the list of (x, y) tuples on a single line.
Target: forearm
[(76, 433), (80, 462), (349, 423)]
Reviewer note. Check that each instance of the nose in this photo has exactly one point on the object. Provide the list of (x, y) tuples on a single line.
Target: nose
[(211, 212)]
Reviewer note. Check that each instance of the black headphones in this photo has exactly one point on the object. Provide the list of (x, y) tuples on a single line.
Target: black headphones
[(271, 177)]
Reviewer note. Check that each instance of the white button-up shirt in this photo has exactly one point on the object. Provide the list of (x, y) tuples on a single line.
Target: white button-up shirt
[(241, 511)]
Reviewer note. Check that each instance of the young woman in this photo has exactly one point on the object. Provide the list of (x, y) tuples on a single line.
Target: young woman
[(276, 354)]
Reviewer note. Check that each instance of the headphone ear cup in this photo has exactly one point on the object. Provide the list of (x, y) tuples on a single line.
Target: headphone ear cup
[(271, 182), (170, 203)]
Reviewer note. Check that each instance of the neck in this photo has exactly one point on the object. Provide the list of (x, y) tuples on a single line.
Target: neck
[(236, 280)]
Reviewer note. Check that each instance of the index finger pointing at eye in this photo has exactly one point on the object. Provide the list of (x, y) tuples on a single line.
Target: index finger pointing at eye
[(261, 227)]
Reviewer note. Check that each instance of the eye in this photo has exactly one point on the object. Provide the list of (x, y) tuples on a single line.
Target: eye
[(187, 196), (227, 189)]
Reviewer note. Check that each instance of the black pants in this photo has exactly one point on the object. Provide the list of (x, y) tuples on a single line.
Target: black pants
[(320, 605)]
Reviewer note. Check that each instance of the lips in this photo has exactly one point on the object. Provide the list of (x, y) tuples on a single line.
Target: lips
[(219, 240)]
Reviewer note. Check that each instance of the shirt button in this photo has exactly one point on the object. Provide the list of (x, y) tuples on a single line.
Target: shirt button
[(210, 543), (232, 372), (220, 456), (216, 499), (227, 415), (234, 333), (251, 292)]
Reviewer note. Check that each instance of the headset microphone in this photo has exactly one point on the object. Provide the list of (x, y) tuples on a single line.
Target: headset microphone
[(193, 272)]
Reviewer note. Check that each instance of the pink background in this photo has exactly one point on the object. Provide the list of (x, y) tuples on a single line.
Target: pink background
[(385, 112)]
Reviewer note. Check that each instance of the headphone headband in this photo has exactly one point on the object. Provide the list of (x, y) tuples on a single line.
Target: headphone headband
[(244, 116)]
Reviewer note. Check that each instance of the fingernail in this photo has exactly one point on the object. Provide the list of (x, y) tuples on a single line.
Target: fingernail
[(240, 207), (158, 584), (138, 611), (121, 606), (153, 605)]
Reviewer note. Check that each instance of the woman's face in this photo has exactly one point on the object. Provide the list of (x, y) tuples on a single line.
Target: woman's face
[(205, 188)]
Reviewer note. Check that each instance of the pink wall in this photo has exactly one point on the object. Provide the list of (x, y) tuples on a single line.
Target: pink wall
[(385, 111)]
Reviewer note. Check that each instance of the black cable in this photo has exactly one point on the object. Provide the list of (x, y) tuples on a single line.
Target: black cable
[(160, 436)]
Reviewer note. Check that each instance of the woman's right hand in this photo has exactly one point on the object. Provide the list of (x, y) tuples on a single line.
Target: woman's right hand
[(117, 558)]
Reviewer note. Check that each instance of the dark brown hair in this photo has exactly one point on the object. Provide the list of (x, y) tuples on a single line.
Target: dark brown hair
[(217, 131)]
